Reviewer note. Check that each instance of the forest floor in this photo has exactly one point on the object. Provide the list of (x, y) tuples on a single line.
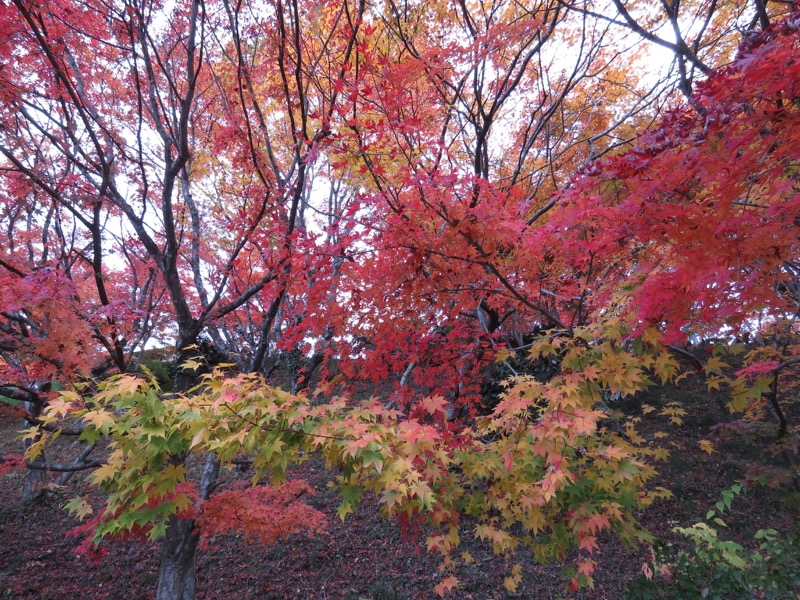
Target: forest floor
[(369, 557)]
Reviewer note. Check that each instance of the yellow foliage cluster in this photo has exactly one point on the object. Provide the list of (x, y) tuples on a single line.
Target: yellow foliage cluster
[(549, 469)]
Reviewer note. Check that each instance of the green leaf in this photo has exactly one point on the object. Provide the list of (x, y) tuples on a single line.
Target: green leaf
[(79, 507), (157, 531), (345, 508)]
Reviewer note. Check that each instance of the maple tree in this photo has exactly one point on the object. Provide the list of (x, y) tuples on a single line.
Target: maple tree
[(169, 151), (541, 455), (489, 198)]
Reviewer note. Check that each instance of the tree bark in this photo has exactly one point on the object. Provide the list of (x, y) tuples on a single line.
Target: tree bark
[(35, 479), (178, 576), (176, 580)]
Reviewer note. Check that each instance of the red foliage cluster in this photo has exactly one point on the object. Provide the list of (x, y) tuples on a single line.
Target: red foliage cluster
[(9, 462), (698, 221), (265, 512), (88, 547)]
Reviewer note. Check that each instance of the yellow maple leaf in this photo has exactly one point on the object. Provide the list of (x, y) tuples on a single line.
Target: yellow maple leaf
[(104, 472), (199, 437), (665, 366), (706, 446), (652, 336), (63, 405), (512, 582), (128, 384), (99, 418), (714, 364), (445, 585), (504, 355)]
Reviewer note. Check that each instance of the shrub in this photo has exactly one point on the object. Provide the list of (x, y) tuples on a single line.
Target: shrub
[(718, 569)]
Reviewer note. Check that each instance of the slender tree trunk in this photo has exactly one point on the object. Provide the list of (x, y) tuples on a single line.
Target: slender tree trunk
[(772, 396)]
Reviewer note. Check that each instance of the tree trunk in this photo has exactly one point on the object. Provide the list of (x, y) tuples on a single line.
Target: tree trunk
[(35, 479), (177, 577), (176, 580)]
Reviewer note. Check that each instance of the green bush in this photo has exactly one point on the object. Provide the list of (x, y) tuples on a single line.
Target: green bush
[(717, 569), (163, 370)]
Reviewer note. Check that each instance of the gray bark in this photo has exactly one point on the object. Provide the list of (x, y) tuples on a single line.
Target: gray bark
[(178, 575), (176, 580), (35, 479)]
